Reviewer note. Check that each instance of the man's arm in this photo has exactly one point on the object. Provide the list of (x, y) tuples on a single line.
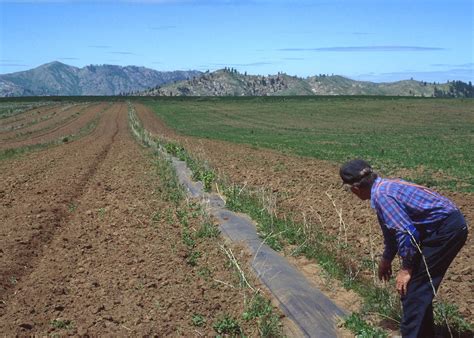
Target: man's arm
[(399, 226), (389, 252), (399, 230)]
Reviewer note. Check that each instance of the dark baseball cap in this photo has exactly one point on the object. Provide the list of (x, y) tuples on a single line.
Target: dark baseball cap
[(354, 171)]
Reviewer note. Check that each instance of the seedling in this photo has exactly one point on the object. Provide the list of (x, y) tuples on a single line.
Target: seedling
[(227, 325), (72, 207), (187, 239), (193, 258), (198, 320), (204, 272), (258, 307), (208, 230), (101, 212), (62, 324), (156, 216)]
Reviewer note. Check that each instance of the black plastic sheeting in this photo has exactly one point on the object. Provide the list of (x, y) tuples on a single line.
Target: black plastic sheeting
[(313, 313)]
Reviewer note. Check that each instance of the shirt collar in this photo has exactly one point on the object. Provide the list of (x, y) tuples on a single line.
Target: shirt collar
[(373, 190)]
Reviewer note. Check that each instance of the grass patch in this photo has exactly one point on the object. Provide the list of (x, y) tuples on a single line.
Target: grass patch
[(361, 328), (227, 325), (193, 258), (201, 171), (208, 230), (259, 308)]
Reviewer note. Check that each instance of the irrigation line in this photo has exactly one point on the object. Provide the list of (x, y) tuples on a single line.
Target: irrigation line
[(271, 234)]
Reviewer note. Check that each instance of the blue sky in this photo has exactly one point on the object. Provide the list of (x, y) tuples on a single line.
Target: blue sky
[(374, 40)]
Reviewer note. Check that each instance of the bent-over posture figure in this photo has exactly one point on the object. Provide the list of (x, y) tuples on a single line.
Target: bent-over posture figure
[(414, 220)]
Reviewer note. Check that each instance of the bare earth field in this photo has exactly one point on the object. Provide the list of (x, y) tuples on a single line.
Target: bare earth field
[(309, 190), (40, 121), (82, 250), (52, 130), (19, 120)]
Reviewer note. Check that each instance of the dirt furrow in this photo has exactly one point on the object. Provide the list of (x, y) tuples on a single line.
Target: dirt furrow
[(117, 264), (68, 128), (30, 220), (22, 118), (42, 121)]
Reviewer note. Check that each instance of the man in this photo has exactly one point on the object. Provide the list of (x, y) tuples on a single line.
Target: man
[(426, 229)]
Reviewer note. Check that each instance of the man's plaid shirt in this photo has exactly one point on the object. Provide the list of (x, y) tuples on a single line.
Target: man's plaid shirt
[(407, 212)]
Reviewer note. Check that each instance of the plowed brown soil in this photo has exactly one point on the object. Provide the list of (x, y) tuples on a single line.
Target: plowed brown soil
[(56, 131), (19, 119), (309, 190), (83, 252), (45, 119)]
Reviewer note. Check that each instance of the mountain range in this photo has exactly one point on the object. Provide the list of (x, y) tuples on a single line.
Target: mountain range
[(229, 82), (59, 79)]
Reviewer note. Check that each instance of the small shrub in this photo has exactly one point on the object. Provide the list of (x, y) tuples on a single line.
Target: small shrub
[(258, 307), (207, 178), (261, 309), (227, 325)]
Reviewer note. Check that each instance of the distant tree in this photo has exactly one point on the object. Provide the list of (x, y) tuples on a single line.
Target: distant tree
[(438, 92)]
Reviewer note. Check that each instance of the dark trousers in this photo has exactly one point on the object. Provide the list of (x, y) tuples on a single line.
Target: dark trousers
[(439, 249)]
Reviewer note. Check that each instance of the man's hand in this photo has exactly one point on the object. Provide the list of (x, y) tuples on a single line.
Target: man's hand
[(385, 270), (403, 277)]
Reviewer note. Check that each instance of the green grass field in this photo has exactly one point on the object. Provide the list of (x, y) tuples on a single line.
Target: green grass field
[(430, 141)]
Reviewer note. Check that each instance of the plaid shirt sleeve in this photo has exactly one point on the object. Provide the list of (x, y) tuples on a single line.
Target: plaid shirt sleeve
[(389, 240), (399, 232)]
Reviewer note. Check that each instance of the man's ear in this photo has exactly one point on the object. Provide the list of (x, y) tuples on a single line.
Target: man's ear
[(355, 189)]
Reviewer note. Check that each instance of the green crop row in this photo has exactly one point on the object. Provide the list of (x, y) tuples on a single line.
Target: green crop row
[(430, 141)]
